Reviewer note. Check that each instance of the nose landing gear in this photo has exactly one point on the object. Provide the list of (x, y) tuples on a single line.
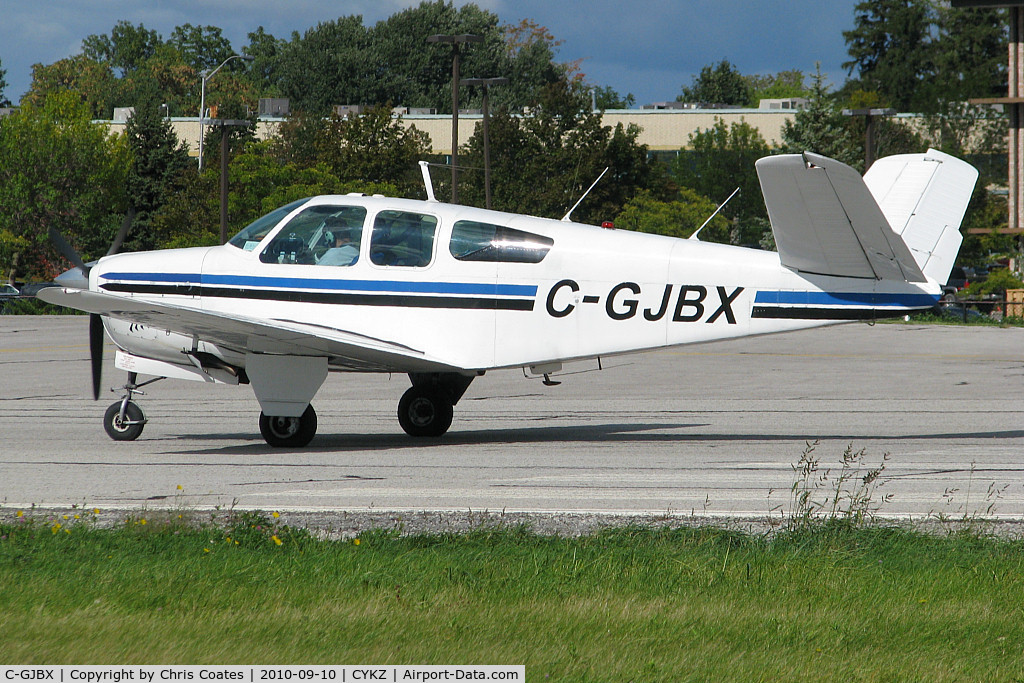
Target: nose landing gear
[(124, 419)]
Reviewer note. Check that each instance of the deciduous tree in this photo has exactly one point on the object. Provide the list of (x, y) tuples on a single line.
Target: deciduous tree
[(64, 171), (718, 84)]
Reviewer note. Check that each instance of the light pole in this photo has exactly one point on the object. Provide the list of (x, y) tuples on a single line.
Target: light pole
[(486, 84), (455, 41), (205, 75), (869, 130)]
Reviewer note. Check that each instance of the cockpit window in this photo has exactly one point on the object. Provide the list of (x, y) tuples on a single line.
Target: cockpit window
[(250, 237), (472, 241), (402, 238), (319, 235)]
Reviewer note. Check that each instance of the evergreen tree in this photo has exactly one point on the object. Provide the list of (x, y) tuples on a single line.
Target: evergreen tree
[(4, 102), (821, 128), (891, 49), (970, 54), (158, 161)]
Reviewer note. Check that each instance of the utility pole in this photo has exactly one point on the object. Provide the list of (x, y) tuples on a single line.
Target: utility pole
[(486, 84), (455, 41)]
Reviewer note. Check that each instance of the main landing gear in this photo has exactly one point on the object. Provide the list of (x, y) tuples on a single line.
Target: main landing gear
[(425, 410), (427, 407), (289, 432)]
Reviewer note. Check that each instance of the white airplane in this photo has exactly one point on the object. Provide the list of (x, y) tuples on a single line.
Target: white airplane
[(445, 293)]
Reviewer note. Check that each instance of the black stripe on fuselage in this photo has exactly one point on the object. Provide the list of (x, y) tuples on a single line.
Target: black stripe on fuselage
[(343, 298), (804, 313)]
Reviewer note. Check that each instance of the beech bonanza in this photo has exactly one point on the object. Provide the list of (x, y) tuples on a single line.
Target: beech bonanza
[(445, 293)]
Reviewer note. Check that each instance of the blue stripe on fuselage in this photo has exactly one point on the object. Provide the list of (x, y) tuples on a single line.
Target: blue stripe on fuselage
[(789, 298)]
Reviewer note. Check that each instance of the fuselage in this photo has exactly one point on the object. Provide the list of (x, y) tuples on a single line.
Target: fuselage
[(474, 289)]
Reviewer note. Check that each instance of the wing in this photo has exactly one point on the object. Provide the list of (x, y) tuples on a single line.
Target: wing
[(249, 335)]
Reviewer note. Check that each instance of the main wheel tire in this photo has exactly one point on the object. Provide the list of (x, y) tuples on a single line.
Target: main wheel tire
[(424, 411), (131, 428), (289, 432)]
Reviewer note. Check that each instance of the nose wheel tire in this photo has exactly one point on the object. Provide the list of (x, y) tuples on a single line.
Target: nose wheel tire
[(424, 411), (127, 429), (289, 432)]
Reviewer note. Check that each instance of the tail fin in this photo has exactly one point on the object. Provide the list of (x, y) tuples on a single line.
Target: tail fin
[(924, 198)]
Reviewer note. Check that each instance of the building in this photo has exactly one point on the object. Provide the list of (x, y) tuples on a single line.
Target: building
[(662, 130)]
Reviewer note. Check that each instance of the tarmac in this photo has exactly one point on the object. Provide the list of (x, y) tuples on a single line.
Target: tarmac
[(710, 431)]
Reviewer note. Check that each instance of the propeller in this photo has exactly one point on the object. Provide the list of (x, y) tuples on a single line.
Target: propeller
[(78, 278)]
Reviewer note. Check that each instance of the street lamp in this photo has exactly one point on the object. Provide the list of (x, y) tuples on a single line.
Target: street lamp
[(455, 41), (486, 84), (205, 75)]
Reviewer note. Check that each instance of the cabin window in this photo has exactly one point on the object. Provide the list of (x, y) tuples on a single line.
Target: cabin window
[(472, 241), (319, 235), (402, 238), (251, 236)]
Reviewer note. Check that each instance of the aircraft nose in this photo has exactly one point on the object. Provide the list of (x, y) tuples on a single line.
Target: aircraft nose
[(75, 278)]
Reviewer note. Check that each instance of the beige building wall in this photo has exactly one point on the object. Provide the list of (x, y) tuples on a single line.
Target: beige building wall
[(660, 130)]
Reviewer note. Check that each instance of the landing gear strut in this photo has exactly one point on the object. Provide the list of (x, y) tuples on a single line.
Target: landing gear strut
[(124, 419), (289, 432)]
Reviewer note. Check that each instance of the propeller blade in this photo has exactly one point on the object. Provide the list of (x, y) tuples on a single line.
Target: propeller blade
[(66, 250), (96, 352), (123, 232)]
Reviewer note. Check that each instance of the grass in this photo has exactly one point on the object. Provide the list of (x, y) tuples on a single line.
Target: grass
[(831, 601)]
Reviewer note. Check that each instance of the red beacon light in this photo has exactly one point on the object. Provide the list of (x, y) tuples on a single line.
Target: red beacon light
[(608, 225)]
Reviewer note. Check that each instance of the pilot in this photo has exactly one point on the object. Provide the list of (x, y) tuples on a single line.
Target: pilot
[(345, 251)]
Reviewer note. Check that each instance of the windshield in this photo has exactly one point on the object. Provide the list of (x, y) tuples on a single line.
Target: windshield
[(249, 238)]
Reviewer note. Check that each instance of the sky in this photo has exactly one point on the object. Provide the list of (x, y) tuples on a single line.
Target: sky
[(650, 48)]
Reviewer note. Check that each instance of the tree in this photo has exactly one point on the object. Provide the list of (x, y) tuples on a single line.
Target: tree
[(783, 85), (61, 171), (373, 147), (158, 160), (93, 81), (4, 102), (721, 84), (719, 160), (821, 128), (605, 97), (261, 183), (202, 47), (126, 48), (542, 163), (677, 217), (891, 49), (325, 66), (263, 72), (970, 53)]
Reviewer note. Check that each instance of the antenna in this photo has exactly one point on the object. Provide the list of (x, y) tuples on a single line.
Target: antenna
[(425, 170), (566, 216), (720, 207)]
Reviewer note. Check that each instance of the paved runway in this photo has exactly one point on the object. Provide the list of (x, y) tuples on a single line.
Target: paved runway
[(709, 429)]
